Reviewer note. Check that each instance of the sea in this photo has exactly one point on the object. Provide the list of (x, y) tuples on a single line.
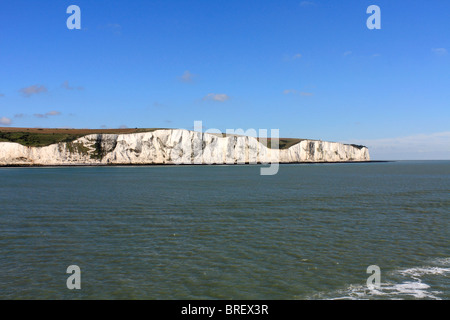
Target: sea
[(310, 232)]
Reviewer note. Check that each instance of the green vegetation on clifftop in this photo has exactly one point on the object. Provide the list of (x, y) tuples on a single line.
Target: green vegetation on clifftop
[(37, 137)]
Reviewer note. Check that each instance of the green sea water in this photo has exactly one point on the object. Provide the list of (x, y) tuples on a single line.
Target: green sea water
[(225, 232)]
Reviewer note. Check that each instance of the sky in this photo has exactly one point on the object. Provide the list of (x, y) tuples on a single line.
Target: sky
[(312, 69)]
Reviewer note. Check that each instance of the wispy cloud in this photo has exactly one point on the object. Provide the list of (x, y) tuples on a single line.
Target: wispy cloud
[(114, 27), (439, 51), (1, 95), (220, 97), (66, 86), (434, 146), (291, 57), (46, 115), (302, 93), (123, 126), (158, 105), (19, 115), (347, 53), (53, 113), (5, 121), (187, 77), (31, 90), (307, 4)]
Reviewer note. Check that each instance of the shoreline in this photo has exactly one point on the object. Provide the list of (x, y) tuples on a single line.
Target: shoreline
[(183, 164)]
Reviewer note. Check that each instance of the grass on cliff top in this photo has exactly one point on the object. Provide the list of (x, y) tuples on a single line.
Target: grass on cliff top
[(283, 143), (37, 137), (40, 137)]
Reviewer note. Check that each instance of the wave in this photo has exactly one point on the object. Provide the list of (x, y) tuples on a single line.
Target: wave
[(402, 284)]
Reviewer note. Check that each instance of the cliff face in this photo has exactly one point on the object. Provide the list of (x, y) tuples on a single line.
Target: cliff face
[(174, 147)]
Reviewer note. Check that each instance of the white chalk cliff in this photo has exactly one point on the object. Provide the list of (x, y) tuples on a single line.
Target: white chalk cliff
[(174, 146)]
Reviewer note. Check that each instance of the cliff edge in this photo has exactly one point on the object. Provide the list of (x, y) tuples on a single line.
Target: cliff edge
[(174, 146)]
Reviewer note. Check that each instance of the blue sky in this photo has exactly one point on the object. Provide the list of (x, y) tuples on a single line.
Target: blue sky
[(311, 69)]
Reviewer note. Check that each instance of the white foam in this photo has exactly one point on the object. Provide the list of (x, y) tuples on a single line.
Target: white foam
[(442, 261), (417, 290), (419, 272), (411, 287)]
